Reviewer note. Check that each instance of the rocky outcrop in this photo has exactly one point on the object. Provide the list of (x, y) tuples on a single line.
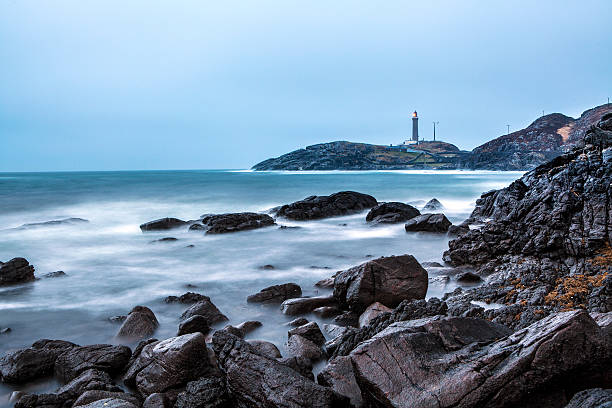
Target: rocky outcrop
[(315, 207), (234, 222), (34, 362), (592, 398), (433, 205), (104, 357), (140, 323), (387, 280), (17, 270), (390, 213), (276, 293), (162, 224), (428, 223)]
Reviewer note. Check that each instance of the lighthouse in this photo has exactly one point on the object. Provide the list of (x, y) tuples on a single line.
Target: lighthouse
[(415, 127)]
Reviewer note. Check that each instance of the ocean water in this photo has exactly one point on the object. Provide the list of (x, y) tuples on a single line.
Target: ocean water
[(112, 266)]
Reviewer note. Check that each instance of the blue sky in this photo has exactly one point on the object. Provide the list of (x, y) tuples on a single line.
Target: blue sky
[(109, 85)]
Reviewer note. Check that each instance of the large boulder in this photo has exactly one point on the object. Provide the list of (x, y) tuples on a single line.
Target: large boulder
[(17, 270), (276, 293), (28, 364), (467, 362), (372, 311), (233, 222), (96, 395), (339, 375), (428, 223), (592, 398), (162, 224), (140, 323), (310, 331), (207, 309), (387, 280), (89, 380), (167, 364), (316, 207), (256, 381), (298, 306), (194, 324), (390, 213), (204, 393), (299, 346), (104, 357)]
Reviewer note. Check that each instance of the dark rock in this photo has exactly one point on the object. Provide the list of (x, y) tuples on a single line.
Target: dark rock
[(140, 323), (468, 277), (265, 348), (204, 393), (300, 321), (300, 347), (592, 398), (387, 280), (194, 324), (299, 364), (347, 319), (197, 227), (65, 221), (158, 400), (340, 377), (458, 230), (309, 331), (162, 224), (96, 395), (88, 380), (249, 326), (326, 283), (298, 306), (5, 330), (316, 207), (104, 357), (432, 265), (40, 401), (433, 205), (186, 298), (34, 362), (257, 381), (207, 309), (327, 311), (224, 223), (110, 403), (56, 274), (371, 312), (428, 223), (389, 213), (17, 270), (276, 293), (117, 318), (288, 227), (168, 364), (267, 267), (166, 239), (234, 330)]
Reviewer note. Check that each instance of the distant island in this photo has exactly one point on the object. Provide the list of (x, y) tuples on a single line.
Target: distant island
[(546, 138)]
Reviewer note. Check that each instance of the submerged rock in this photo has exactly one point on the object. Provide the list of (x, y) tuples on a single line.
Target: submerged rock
[(140, 323), (433, 205), (56, 274), (162, 224), (428, 223), (65, 221), (276, 293), (316, 207), (233, 222), (17, 270), (389, 213), (186, 298)]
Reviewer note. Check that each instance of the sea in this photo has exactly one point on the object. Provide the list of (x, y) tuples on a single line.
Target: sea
[(111, 266)]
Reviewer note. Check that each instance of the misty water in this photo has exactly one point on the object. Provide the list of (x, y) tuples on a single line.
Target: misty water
[(112, 266)]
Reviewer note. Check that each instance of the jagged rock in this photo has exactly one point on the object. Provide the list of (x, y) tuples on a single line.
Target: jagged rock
[(186, 298), (390, 213), (592, 398), (305, 305), (326, 283), (17, 270), (301, 347), (234, 222), (468, 277), (105, 357), (433, 205), (300, 321), (432, 265), (276, 293), (257, 381), (28, 364), (207, 309), (327, 311), (204, 393), (88, 380), (347, 319), (428, 223), (458, 230), (140, 323), (387, 280), (162, 224), (371, 312), (110, 403), (265, 348), (316, 207), (249, 326), (168, 364), (194, 324), (157, 400), (96, 395), (309, 331), (56, 274), (340, 377), (40, 401), (299, 364)]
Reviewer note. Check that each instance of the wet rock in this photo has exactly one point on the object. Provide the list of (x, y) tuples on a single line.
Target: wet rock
[(433, 205), (168, 364), (300, 321), (592, 398), (17, 270), (197, 227), (327, 311), (326, 283), (371, 312), (224, 223), (257, 381), (347, 319), (110, 403), (340, 377), (28, 364), (166, 239), (88, 380), (267, 267), (298, 306), (309, 331), (140, 323), (249, 326), (5, 330), (468, 277), (96, 395), (301, 347), (204, 393), (117, 319), (265, 348), (65, 221), (432, 265), (56, 274), (334, 330), (316, 207), (157, 400), (299, 364), (207, 309), (387, 280), (458, 230), (428, 223), (104, 357), (276, 293), (194, 324), (186, 298), (162, 224), (40, 401), (390, 213)]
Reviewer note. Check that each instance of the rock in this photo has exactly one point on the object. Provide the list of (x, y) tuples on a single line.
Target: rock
[(56, 274), (433, 205), (117, 318), (5, 330), (40, 401), (326, 283), (17, 270), (276, 293), (197, 227), (234, 330), (334, 330), (166, 239), (140, 323), (157, 400), (428, 223), (309, 331), (15, 396), (96, 395), (300, 321), (88, 380), (591, 398), (347, 319), (305, 305), (387, 280), (204, 393), (104, 357), (257, 381), (249, 326), (325, 312), (468, 277), (316, 207), (299, 364), (65, 221), (194, 324), (371, 312), (162, 224), (267, 267), (224, 223), (265, 348), (340, 377), (458, 230), (186, 298), (473, 362), (389, 213), (207, 309), (109, 403), (169, 364), (302, 347), (32, 363), (432, 265)]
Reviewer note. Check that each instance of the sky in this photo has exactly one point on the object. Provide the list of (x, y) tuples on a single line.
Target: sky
[(182, 84)]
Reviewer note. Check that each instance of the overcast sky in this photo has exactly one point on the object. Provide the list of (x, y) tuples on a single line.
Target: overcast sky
[(115, 84)]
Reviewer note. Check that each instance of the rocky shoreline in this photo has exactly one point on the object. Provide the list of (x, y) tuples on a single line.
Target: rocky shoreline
[(535, 330)]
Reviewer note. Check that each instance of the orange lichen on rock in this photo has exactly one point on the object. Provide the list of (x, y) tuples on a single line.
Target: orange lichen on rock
[(571, 291)]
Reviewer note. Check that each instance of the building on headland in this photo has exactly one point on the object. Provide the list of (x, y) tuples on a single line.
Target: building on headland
[(414, 140)]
